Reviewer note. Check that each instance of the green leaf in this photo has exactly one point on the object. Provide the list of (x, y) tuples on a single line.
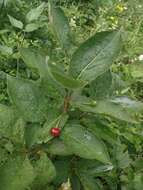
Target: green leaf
[(90, 183), (128, 104), (121, 155), (6, 50), (138, 181), (33, 134), (99, 170), (28, 98), (75, 183), (93, 168), (138, 164), (100, 129), (8, 146), (105, 86), (117, 83), (31, 27), (95, 56), (35, 13), (44, 170), (37, 60), (16, 174), (16, 23), (84, 144), (60, 25), (36, 134), (8, 117), (123, 112), (101, 86), (57, 147), (62, 165), (17, 132), (34, 59), (11, 126), (65, 80)]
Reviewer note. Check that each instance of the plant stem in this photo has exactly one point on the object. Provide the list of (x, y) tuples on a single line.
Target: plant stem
[(66, 103)]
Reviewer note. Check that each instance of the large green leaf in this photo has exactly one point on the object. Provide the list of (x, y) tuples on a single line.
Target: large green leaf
[(28, 98), (138, 181), (8, 117), (64, 79), (14, 22), (92, 167), (16, 174), (84, 144), (95, 56), (60, 25), (90, 183), (100, 129), (89, 172), (36, 60), (106, 85), (17, 132), (129, 104), (44, 170), (34, 14), (11, 126), (63, 170), (114, 108)]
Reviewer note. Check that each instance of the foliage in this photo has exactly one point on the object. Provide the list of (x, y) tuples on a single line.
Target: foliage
[(80, 74)]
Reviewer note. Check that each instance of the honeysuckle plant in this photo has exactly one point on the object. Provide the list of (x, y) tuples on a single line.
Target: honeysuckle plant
[(63, 126)]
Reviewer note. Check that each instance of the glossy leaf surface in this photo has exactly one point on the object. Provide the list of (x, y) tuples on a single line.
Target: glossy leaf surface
[(84, 144), (28, 98), (95, 56), (60, 25)]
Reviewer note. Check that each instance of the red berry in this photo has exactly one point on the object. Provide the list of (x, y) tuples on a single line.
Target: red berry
[(55, 131)]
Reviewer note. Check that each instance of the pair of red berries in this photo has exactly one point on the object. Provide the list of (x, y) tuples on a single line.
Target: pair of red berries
[(55, 132)]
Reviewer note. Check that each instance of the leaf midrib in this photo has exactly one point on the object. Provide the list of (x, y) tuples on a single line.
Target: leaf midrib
[(80, 74)]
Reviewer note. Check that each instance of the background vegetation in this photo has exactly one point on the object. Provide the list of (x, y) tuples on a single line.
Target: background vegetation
[(86, 18)]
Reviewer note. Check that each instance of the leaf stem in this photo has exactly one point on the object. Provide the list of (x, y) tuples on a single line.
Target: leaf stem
[(67, 101)]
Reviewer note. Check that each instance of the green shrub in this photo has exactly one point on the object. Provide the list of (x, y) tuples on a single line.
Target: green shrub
[(67, 123)]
